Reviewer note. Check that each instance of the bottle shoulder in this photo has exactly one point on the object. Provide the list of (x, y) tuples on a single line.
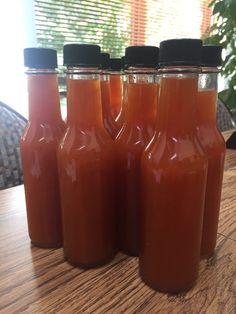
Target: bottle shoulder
[(176, 151), (41, 133), (134, 135), (86, 140), (211, 139)]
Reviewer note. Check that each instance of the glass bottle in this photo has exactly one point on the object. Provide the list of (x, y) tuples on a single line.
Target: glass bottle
[(174, 170), (212, 142), (39, 148), (108, 120), (86, 160), (136, 133), (115, 86)]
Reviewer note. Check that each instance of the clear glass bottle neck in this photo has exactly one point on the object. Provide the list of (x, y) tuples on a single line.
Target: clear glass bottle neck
[(140, 97), (104, 76), (84, 97), (174, 69), (43, 96), (141, 75), (82, 73), (208, 78), (177, 101), (40, 71), (207, 99), (116, 72)]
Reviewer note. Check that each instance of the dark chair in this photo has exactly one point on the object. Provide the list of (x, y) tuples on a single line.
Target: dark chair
[(225, 119), (12, 125)]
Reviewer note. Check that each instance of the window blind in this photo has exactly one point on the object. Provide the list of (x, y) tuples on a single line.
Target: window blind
[(116, 24)]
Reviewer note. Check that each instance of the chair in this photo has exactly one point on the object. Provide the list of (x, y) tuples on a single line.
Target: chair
[(12, 125), (225, 119)]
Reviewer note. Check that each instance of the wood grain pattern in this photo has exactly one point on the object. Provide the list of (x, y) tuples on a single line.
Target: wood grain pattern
[(227, 222), (34, 280)]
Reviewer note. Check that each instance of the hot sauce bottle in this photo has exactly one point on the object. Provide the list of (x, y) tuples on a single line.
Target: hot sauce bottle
[(86, 164), (108, 120), (174, 169), (136, 133), (212, 142), (39, 148)]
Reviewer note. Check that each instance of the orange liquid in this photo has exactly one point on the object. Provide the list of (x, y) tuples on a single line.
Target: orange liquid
[(108, 120), (38, 152), (122, 114), (86, 164), (130, 143), (214, 146), (173, 171), (116, 94)]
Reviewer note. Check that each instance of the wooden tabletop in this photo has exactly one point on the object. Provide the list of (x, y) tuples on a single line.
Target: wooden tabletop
[(34, 280)]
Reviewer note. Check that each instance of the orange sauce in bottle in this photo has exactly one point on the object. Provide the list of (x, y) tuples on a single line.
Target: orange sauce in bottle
[(136, 133), (116, 94), (39, 160), (120, 119), (86, 164), (173, 171), (108, 120), (214, 146)]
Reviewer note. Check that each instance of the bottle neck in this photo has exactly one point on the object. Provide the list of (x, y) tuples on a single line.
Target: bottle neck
[(141, 97), (84, 97), (207, 97), (43, 96), (208, 78), (177, 102), (105, 94)]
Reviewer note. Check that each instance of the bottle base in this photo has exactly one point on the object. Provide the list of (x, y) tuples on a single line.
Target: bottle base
[(126, 251), (208, 255), (171, 291), (47, 245), (89, 265), (133, 254)]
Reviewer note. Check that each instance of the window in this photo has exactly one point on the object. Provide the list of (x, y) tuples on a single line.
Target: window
[(116, 24)]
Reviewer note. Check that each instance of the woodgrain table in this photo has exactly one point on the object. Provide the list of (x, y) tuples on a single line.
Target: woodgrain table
[(34, 280)]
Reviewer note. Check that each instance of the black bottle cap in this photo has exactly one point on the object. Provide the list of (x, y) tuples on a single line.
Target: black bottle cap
[(211, 56), (40, 58), (81, 55), (115, 64), (123, 63), (142, 56), (105, 61), (175, 52)]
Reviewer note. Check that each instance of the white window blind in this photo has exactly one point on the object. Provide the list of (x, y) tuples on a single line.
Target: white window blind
[(116, 24)]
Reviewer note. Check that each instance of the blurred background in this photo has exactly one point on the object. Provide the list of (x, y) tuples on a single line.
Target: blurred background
[(113, 25)]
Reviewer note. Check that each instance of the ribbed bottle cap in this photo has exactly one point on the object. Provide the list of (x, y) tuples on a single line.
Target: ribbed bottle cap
[(81, 55), (175, 52), (105, 61), (40, 58), (142, 56), (211, 56), (115, 64)]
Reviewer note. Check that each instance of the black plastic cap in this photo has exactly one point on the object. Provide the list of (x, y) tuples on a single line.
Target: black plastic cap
[(123, 63), (211, 56), (175, 52), (115, 64), (81, 55), (40, 58), (105, 61), (142, 56)]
